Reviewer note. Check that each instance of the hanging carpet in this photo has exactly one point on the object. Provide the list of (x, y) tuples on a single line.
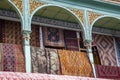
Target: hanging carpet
[(71, 40), (105, 46), (52, 61), (108, 72), (53, 37), (12, 58), (44, 60), (39, 60), (35, 38), (75, 63)]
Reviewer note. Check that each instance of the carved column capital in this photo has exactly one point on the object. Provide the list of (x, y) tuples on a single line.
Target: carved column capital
[(26, 35)]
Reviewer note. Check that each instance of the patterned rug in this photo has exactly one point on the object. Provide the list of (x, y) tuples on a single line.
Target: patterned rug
[(75, 63), (53, 37), (20, 58), (53, 65), (8, 58), (13, 32), (45, 60), (106, 50), (110, 72), (71, 40), (12, 58), (39, 61), (35, 38)]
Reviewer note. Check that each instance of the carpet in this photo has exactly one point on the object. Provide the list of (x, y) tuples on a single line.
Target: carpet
[(75, 63)]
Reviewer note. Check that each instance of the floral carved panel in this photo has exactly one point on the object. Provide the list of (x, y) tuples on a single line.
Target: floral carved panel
[(79, 13), (92, 16), (35, 4), (18, 4)]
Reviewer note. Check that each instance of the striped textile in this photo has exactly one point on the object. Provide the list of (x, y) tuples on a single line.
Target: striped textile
[(71, 40)]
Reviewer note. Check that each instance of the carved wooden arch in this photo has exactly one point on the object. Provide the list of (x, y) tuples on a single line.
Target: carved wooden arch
[(67, 9), (18, 9), (100, 17)]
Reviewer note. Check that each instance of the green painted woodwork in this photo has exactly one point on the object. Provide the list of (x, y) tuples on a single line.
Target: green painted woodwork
[(56, 13), (5, 5), (108, 23)]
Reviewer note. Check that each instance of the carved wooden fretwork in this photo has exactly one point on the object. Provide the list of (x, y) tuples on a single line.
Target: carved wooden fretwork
[(34, 4), (92, 16), (18, 4), (79, 13)]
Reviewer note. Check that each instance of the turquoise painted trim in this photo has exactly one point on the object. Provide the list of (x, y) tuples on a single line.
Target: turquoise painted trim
[(111, 16), (26, 15), (47, 5), (87, 35), (17, 10), (86, 5)]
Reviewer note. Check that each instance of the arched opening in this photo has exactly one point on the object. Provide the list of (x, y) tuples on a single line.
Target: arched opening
[(10, 38), (106, 32), (56, 18), (59, 31)]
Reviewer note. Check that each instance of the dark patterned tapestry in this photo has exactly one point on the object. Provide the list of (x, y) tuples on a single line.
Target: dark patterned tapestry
[(35, 38), (39, 61), (106, 50), (75, 63), (53, 37), (13, 32), (108, 72), (53, 65), (71, 40), (12, 58)]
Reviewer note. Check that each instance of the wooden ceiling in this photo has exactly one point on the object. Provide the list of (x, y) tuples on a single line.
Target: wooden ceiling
[(56, 13), (109, 23)]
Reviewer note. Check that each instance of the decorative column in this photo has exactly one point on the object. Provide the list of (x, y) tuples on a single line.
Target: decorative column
[(88, 40), (26, 44), (90, 55), (26, 30)]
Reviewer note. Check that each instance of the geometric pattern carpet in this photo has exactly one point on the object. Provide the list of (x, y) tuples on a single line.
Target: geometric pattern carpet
[(106, 50)]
